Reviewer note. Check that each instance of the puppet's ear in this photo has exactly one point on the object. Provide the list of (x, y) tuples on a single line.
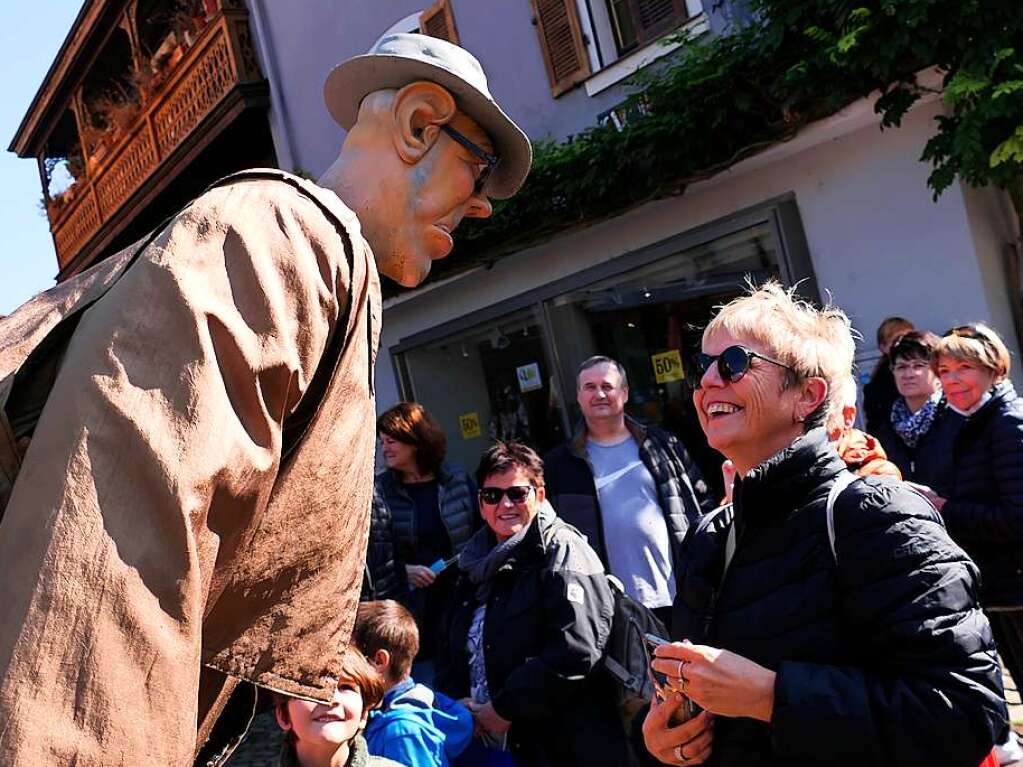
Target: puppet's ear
[(419, 109)]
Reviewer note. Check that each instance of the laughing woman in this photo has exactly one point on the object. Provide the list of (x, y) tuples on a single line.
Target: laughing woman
[(528, 624), (874, 654)]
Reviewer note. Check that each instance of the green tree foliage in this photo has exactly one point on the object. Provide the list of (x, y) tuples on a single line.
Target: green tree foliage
[(721, 99)]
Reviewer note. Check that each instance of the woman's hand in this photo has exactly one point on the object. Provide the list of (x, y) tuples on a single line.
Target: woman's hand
[(717, 680), (487, 718), (929, 494), (687, 743), (419, 576)]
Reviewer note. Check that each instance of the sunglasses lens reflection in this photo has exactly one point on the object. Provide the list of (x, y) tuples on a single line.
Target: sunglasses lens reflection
[(733, 363)]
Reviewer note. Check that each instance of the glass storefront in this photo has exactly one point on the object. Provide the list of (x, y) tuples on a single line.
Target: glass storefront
[(513, 376)]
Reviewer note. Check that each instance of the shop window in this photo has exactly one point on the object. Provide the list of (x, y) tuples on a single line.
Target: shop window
[(651, 320), (491, 382), (514, 377)]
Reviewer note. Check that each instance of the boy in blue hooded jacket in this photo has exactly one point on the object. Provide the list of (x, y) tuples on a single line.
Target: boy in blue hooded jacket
[(414, 725)]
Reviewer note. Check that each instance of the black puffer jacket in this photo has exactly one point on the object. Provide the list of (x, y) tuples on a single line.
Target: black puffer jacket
[(984, 511), (458, 509), (547, 621), (384, 576), (930, 462), (885, 660), (682, 493)]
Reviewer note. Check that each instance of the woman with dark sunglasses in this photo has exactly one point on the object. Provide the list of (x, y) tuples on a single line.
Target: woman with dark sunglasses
[(527, 627), (870, 653)]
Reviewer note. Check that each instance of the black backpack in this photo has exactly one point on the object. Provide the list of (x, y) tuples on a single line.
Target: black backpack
[(626, 659)]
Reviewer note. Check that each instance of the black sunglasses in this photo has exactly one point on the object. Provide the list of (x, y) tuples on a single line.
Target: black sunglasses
[(733, 362), (489, 160), (516, 494)]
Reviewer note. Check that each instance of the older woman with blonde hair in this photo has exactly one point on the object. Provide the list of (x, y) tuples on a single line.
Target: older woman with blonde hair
[(861, 644), (983, 509)]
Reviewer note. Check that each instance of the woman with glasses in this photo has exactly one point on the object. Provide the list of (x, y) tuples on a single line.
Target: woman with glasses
[(527, 626), (983, 508), (432, 506), (921, 428), (870, 653)]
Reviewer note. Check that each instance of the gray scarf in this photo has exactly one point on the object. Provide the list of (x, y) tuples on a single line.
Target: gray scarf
[(483, 556)]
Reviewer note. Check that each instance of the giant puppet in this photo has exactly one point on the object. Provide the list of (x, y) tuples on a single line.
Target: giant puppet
[(186, 447)]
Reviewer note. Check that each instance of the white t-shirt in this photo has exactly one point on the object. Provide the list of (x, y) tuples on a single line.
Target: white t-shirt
[(635, 531)]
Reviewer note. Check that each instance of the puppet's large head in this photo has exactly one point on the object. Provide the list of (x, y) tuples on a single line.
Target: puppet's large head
[(427, 146)]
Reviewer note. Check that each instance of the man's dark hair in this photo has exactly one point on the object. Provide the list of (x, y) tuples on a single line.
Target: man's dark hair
[(600, 359), (916, 344), (387, 625), (505, 456)]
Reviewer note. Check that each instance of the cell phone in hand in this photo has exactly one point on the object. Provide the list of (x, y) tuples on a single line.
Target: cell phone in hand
[(688, 709), (652, 642)]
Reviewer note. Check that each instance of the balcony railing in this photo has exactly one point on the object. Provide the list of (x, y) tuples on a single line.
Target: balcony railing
[(221, 59)]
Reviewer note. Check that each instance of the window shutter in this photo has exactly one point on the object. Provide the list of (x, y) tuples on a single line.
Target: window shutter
[(561, 40), (439, 21), (655, 17)]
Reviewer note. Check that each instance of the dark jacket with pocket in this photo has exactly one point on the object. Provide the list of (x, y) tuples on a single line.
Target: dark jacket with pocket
[(458, 508), (984, 510), (931, 461), (384, 577), (681, 490), (548, 617), (882, 654)]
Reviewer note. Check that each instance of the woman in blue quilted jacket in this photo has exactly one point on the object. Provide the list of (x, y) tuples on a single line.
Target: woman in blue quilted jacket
[(984, 508)]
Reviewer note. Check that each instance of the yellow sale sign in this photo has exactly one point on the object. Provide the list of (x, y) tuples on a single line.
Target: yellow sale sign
[(667, 366), (470, 425)]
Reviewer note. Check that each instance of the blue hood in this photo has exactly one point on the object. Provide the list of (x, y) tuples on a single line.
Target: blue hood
[(419, 727)]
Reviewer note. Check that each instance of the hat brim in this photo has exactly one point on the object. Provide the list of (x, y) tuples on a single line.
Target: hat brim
[(351, 81)]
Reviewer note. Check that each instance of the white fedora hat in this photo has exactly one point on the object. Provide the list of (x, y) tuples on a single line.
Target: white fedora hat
[(400, 59)]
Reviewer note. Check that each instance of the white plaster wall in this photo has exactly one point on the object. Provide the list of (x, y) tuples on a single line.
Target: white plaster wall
[(877, 240), (991, 226)]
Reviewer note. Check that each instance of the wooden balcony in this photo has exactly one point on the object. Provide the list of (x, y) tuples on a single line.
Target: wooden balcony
[(218, 68)]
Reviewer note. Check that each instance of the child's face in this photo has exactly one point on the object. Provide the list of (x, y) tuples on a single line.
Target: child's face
[(319, 723)]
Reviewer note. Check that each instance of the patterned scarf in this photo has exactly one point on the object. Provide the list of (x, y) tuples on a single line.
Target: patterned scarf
[(911, 427)]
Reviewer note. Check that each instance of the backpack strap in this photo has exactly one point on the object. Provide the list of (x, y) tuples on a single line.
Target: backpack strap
[(842, 481), (729, 549)]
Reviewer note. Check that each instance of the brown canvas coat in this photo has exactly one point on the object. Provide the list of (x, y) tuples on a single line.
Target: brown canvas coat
[(154, 529)]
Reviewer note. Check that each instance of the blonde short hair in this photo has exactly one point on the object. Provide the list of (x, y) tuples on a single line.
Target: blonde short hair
[(814, 342), (975, 342)]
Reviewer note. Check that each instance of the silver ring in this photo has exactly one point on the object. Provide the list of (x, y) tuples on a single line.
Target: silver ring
[(681, 668), (679, 753)]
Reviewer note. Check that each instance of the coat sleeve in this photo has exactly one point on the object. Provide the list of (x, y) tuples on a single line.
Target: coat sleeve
[(161, 437), (926, 687), (578, 609), (1000, 522)]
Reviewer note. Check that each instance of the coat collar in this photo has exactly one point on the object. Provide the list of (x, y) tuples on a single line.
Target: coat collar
[(784, 480)]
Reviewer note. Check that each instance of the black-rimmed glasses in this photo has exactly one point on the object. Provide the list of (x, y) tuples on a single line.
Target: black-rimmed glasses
[(516, 494), (489, 160), (734, 362)]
